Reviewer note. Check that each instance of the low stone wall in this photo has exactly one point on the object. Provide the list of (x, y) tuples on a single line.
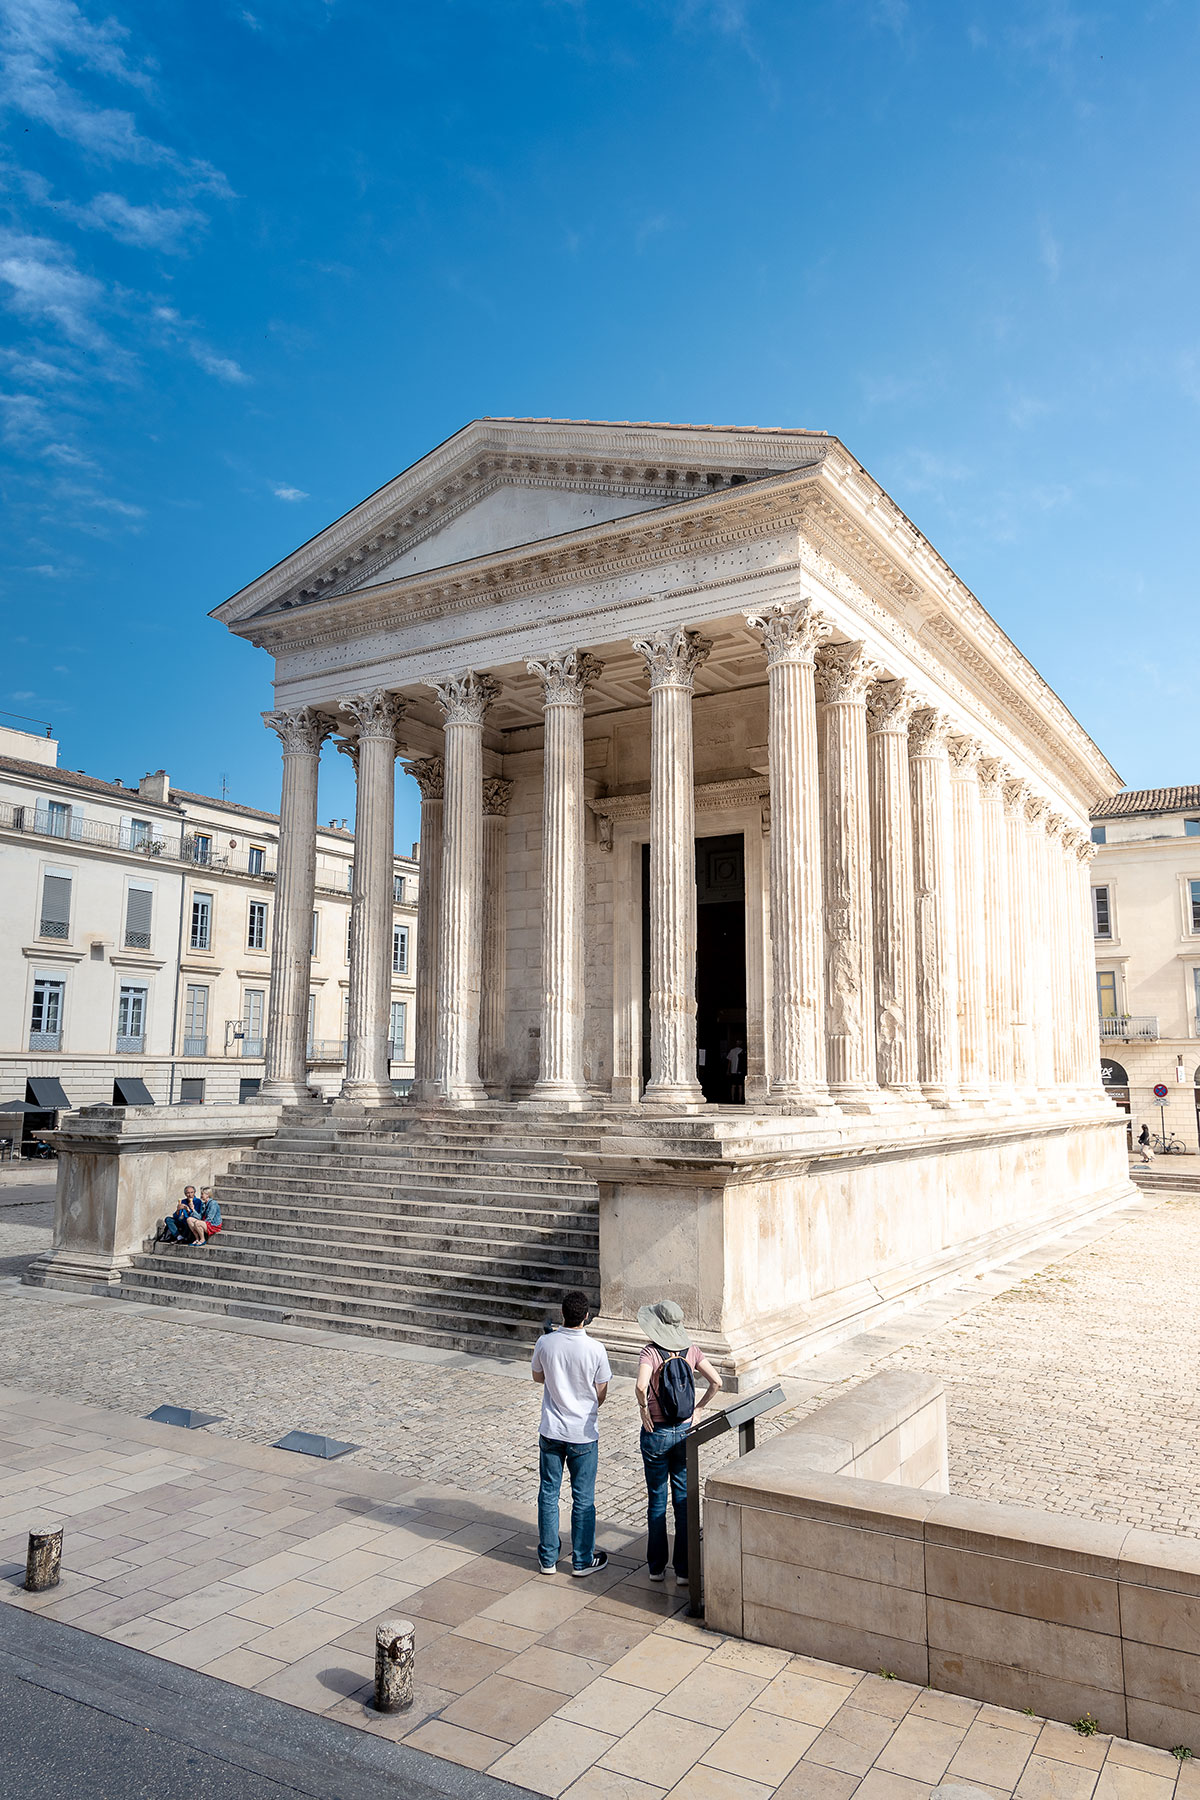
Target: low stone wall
[(120, 1168), (1020, 1608)]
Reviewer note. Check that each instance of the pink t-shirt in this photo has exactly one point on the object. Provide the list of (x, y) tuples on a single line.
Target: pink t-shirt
[(652, 1358)]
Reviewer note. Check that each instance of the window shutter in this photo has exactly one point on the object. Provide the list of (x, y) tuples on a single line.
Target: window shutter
[(139, 904), (56, 905)]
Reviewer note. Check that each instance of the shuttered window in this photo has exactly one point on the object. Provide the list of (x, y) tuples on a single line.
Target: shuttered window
[(56, 906), (1101, 912), (400, 950), (256, 931), (201, 937), (139, 907)]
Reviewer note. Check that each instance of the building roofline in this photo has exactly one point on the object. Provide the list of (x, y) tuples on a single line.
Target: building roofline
[(1137, 802), (88, 784)]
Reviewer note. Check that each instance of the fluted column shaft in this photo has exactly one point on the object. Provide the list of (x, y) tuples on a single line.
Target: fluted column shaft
[(1020, 935), (672, 658), (1089, 1030), (1060, 938), (565, 680), (428, 774), (374, 717), (493, 1063), (968, 916), (1043, 1052), (301, 732), (890, 705), (790, 633), (997, 923), (463, 701), (937, 1020), (844, 673)]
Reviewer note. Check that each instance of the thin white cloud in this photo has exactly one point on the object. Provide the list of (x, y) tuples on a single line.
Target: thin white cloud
[(223, 367), (44, 284), (289, 493), (1049, 251), (146, 227)]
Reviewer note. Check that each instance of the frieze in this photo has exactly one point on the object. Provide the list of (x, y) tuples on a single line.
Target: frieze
[(708, 796)]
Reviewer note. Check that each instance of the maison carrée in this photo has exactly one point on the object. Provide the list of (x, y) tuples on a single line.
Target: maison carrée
[(755, 879)]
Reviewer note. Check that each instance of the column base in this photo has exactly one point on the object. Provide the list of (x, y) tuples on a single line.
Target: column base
[(563, 1094), (798, 1099), (858, 1099), (287, 1093), (464, 1094), (674, 1094), (368, 1093)]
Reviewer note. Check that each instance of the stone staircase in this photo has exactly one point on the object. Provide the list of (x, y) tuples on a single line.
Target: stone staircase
[(459, 1231)]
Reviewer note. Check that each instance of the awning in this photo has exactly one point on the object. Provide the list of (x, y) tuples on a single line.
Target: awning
[(128, 1090), (47, 1092)]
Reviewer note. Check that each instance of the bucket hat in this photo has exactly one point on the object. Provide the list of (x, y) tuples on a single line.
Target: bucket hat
[(663, 1325)]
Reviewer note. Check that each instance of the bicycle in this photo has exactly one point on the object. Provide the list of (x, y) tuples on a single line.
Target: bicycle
[(1169, 1145)]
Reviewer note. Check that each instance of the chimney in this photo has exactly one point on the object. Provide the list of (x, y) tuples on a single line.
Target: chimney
[(156, 787)]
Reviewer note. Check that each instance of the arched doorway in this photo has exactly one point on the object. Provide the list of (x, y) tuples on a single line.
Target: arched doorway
[(1116, 1086)]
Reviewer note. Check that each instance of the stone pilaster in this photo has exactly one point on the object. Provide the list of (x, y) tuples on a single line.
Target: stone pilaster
[(890, 705), (937, 1017), (1039, 961), (791, 633), (1060, 942), (1016, 793), (997, 905), (844, 672), (493, 1063), (374, 717), (428, 772), (968, 918), (1085, 950), (565, 680), (301, 732), (672, 658), (464, 699)]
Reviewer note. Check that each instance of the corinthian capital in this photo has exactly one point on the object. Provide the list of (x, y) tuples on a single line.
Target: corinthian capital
[(375, 714), (790, 631), (844, 673), (464, 699), (429, 773), (496, 796), (672, 657), (928, 732), (1036, 808), (890, 706), (964, 753), (565, 679), (992, 777), (300, 730), (1016, 793)]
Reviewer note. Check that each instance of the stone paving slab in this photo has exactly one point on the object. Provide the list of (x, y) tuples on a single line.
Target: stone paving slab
[(594, 1690)]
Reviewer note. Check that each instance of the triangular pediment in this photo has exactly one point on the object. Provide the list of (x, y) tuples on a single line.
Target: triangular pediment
[(501, 484)]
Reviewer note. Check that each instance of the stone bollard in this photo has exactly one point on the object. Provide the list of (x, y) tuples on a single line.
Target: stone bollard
[(395, 1653), (44, 1561)]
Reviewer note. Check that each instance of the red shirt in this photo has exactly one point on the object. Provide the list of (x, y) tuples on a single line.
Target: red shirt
[(652, 1358)]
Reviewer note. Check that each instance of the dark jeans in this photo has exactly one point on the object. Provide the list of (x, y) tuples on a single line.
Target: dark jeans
[(580, 1461), (664, 1457)]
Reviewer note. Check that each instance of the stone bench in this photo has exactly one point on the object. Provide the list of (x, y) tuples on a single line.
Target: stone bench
[(821, 1543)]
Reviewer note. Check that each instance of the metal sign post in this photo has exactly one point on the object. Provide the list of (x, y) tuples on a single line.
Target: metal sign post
[(1160, 1094), (742, 1414)]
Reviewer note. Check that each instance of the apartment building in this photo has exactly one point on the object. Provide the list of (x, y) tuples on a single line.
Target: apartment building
[(136, 951), (1146, 926)]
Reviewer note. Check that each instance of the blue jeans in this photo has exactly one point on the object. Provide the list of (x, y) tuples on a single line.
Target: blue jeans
[(664, 1457), (580, 1461)]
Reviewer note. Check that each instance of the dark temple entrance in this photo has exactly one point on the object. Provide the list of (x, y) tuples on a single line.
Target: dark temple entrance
[(720, 968)]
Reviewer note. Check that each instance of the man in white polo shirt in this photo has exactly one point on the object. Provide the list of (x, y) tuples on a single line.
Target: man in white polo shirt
[(573, 1370)]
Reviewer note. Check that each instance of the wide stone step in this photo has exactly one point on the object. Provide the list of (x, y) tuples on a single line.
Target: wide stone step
[(471, 1268), (516, 1258), (381, 1186), (460, 1331), (369, 1229), (403, 1203), (276, 1283), (382, 1168)]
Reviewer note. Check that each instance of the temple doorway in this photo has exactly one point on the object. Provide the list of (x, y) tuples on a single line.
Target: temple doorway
[(720, 968)]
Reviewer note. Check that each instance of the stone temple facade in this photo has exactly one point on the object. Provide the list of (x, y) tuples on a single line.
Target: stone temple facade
[(754, 857)]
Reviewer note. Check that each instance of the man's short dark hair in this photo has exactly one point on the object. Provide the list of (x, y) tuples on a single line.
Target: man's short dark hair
[(575, 1308)]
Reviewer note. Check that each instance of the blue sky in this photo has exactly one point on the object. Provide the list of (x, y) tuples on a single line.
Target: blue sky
[(256, 259)]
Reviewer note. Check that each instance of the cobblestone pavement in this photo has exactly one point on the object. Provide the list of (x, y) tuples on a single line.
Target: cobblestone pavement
[(26, 1216), (1075, 1390)]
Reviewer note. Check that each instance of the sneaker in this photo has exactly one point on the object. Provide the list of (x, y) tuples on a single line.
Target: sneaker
[(599, 1561), (659, 1576), (547, 1568)]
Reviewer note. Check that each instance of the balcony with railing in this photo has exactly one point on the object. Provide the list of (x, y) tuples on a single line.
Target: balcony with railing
[(251, 1046), (131, 1043), (327, 1050), (45, 1040), (1130, 1029), (195, 1046), (70, 827)]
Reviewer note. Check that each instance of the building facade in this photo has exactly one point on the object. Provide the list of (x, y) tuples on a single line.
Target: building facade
[(1145, 901), (746, 832), (139, 933)]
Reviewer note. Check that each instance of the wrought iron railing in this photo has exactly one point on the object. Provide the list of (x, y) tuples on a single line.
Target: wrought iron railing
[(131, 1044), (45, 1040), (195, 1046), (1130, 1028), (137, 940), (251, 1046), (327, 1050), (53, 928), (74, 829)]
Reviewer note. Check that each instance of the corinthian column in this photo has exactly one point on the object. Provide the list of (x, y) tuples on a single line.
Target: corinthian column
[(844, 673), (890, 705), (463, 699), (301, 732), (1039, 974), (565, 680), (790, 633), (968, 913), (493, 1066), (428, 773), (937, 1022), (375, 717), (1059, 936), (1020, 934), (997, 911), (1085, 954), (672, 658)]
